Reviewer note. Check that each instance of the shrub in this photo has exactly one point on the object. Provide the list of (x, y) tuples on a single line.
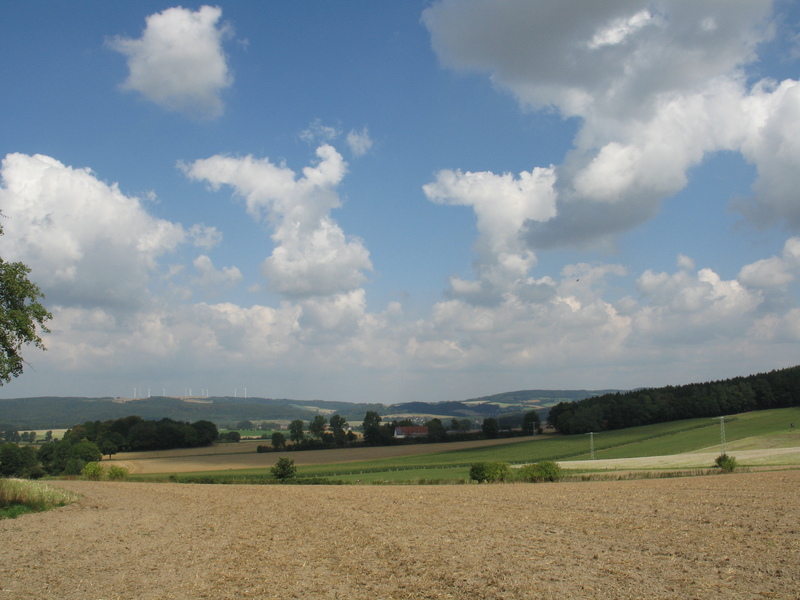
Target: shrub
[(117, 473), (284, 469), (727, 463), (546, 470), (489, 472), (93, 471)]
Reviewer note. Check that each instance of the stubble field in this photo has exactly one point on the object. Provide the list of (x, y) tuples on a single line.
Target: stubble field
[(724, 536)]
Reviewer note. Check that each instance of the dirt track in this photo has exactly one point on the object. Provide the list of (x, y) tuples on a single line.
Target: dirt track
[(731, 536)]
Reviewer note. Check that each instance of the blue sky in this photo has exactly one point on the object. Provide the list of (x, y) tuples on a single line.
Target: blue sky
[(374, 201)]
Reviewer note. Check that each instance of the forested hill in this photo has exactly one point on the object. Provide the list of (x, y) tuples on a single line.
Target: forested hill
[(776, 389), (63, 412)]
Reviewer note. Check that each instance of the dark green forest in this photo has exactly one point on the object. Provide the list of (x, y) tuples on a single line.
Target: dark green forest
[(776, 389)]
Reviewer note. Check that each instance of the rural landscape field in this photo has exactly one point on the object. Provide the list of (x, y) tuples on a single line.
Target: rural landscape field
[(648, 517), (732, 536)]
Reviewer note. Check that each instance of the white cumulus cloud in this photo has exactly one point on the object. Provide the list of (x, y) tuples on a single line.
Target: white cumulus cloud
[(312, 255), (179, 62), (502, 205), (87, 243)]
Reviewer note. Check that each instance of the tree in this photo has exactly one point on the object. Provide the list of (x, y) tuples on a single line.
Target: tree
[(317, 426), (296, 431), (86, 451), (22, 315), (338, 423), (372, 428), (530, 422), (436, 430), (16, 461), (284, 469), (490, 427), (278, 440)]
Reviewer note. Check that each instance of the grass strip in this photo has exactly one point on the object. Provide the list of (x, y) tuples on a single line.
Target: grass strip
[(20, 496)]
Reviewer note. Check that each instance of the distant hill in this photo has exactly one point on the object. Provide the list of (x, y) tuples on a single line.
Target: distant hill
[(51, 412)]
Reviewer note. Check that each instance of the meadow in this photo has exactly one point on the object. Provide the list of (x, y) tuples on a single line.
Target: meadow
[(693, 444)]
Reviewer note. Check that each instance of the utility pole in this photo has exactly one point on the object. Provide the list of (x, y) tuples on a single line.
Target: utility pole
[(591, 444), (722, 433)]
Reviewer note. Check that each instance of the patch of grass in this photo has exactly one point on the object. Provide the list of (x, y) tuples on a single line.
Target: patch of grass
[(20, 496)]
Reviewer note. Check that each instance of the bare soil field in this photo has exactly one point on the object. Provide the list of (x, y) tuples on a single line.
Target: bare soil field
[(715, 537)]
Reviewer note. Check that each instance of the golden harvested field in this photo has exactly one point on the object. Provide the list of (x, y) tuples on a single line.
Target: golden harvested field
[(714, 537)]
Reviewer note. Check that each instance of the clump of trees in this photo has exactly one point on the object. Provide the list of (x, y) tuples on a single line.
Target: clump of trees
[(19, 461), (776, 389), (130, 434)]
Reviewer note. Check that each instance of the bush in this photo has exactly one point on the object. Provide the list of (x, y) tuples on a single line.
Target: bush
[(489, 472), (727, 463), (546, 470), (284, 469), (117, 473), (93, 471)]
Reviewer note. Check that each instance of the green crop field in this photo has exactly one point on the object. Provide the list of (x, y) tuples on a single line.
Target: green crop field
[(755, 430)]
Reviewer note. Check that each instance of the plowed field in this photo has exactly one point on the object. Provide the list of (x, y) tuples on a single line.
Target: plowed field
[(724, 536)]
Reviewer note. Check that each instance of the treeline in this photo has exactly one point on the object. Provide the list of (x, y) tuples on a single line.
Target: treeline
[(776, 389), (134, 433), (90, 441)]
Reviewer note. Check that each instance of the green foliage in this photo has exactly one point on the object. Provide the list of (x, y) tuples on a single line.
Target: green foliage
[(86, 451), (726, 463), (372, 428), (530, 422), (73, 467), (16, 461), (284, 469), (436, 430), (117, 473), (134, 433), (545, 470), (296, 431), (93, 471), (230, 436), (490, 472), (278, 440), (777, 389), (317, 426), (22, 315), (490, 427)]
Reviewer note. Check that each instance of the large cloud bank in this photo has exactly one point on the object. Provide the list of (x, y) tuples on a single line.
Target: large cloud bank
[(657, 88)]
